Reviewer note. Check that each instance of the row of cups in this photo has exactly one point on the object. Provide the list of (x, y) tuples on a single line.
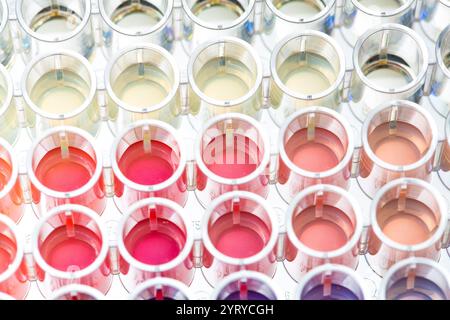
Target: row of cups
[(410, 279), (232, 141), (316, 145), (51, 76), (121, 21), (239, 231)]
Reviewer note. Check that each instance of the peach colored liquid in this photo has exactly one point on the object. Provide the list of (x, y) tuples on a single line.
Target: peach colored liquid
[(148, 168), (155, 246), (5, 173), (67, 252), (414, 225), (329, 232), (233, 161), (404, 146), (66, 174), (322, 153), (239, 240), (7, 250)]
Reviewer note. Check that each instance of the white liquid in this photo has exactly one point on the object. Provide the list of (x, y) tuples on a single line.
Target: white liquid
[(224, 82), (381, 5), (138, 20), (388, 78), (299, 9), (142, 87), (59, 96)]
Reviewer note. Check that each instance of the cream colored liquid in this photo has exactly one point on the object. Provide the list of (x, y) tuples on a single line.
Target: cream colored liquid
[(227, 80), (142, 87), (58, 21), (310, 74), (388, 78), (381, 5), (137, 16), (59, 96), (138, 20), (218, 12), (300, 8)]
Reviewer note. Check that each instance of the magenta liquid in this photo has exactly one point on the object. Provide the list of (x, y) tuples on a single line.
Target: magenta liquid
[(235, 160), (243, 239), (65, 174), (149, 167), (155, 246), (71, 250)]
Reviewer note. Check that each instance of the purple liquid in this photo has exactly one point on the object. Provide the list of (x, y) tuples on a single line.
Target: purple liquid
[(251, 295), (424, 289), (337, 293)]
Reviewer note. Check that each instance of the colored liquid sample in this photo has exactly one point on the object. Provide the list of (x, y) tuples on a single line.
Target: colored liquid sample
[(7, 252), (218, 74), (57, 20), (300, 8), (403, 146), (306, 73), (218, 12), (412, 225), (243, 239), (329, 232), (382, 5), (148, 167), (423, 289), (337, 293), (60, 92), (71, 250), (231, 160), (5, 173), (321, 153), (65, 174), (251, 295), (155, 245), (142, 85), (134, 15)]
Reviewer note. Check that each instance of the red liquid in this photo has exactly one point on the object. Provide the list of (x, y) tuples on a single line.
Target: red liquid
[(65, 252), (404, 146), (7, 252), (237, 160), (155, 247), (322, 153), (149, 168), (67, 174), (240, 240), (5, 173), (327, 233)]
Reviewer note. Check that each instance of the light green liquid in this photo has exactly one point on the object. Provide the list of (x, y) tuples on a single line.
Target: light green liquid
[(137, 16), (55, 21), (217, 11)]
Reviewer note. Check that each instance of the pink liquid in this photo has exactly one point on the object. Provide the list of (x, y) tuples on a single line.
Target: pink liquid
[(413, 225), (237, 160), (5, 173), (240, 240), (7, 252), (71, 252), (155, 247), (327, 233), (148, 168), (66, 174), (404, 146), (322, 153)]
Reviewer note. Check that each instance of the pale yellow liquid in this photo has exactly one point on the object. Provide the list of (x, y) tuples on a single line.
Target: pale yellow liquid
[(137, 16), (224, 82), (300, 8), (56, 22), (310, 74), (141, 87), (59, 96), (381, 5), (218, 12), (388, 78)]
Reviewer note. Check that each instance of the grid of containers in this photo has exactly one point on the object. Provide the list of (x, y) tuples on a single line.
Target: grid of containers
[(181, 54)]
